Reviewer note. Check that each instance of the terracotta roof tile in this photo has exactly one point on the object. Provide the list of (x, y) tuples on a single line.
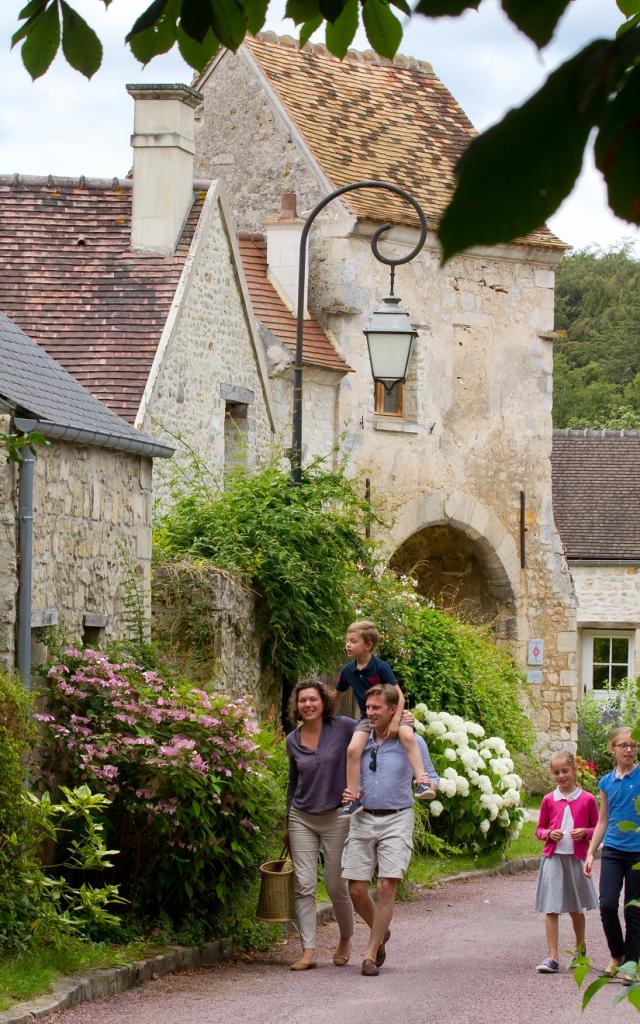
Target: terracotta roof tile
[(367, 117), (69, 279), (596, 493), (271, 311)]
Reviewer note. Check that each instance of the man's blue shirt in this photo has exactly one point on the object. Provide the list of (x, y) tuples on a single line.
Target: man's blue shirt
[(389, 786), (622, 793), (360, 680)]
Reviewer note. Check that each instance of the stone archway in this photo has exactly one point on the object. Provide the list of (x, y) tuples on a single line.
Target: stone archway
[(463, 558)]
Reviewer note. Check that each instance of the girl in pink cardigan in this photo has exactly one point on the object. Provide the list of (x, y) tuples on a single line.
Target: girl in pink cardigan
[(566, 822)]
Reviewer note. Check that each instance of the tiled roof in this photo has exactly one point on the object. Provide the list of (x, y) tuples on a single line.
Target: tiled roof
[(596, 493), (271, 311), (69, 279), (367, 117), (37, 387)]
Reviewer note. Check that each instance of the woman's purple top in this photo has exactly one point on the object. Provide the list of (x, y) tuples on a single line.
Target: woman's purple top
[(317, 778)]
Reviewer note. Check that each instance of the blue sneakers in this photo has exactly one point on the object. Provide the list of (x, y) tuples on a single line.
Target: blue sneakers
[(353, 807), (548, 966)]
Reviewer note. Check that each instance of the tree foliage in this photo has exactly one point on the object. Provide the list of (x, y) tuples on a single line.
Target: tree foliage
[(597, 356), (515, 165)]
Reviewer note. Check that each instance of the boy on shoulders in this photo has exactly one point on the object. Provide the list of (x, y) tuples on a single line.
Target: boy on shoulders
[(364, 671)]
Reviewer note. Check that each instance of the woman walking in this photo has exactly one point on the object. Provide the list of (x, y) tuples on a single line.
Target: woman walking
[(317, 751)]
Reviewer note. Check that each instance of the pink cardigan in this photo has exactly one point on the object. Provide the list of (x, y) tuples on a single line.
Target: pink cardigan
[(584, 810)]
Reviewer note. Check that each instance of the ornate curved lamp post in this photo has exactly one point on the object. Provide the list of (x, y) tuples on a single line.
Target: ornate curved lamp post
[(389, 335)]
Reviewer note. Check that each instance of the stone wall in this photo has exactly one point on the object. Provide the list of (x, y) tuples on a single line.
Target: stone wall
[(92, 517), (8, 556), (607, 594), (205, 621), (208, 354)]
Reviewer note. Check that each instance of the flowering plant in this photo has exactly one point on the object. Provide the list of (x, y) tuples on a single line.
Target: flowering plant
[(478, 806), (586, 775), (183, 768)]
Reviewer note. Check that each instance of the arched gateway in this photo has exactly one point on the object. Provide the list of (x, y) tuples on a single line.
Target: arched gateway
[(462, 556)]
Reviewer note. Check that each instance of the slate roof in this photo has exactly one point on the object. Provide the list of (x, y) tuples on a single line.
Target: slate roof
[(271, 311), (367, 117), (38, 388), (69, 279), (596, 493)]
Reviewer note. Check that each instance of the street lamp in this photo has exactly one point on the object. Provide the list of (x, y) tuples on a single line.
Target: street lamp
[(389, 335)]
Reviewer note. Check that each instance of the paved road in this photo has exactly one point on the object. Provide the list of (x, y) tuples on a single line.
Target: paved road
[(464, 954)]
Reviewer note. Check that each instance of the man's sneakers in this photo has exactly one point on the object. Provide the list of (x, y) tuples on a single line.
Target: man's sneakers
[(548, 966), (353, 807), (423, 792)]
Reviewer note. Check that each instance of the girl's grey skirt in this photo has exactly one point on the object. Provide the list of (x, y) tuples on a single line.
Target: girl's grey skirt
[(562, 887)]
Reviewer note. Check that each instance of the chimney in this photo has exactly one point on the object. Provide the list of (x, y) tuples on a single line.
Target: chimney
[(163, 149), (283, 252)]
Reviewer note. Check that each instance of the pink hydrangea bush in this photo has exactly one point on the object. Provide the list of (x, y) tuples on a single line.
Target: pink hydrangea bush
[(192, 798)]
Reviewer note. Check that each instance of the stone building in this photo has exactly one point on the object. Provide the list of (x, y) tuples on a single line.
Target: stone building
[(136, 287), (90, 507), (596, 496), (459, 456)]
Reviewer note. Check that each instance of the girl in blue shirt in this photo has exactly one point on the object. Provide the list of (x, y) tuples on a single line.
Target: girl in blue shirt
[(619, 793)]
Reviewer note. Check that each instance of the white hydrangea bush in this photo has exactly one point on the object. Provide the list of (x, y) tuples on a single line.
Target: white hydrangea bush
[(479, 802)]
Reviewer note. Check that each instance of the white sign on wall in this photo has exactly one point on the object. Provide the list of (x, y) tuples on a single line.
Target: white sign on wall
[(535, 654)]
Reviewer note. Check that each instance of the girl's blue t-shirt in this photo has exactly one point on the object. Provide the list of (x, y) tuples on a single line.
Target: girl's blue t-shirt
[(621, 794)]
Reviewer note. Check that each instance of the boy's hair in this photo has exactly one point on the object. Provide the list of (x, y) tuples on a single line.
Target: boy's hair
[(386, 690), (617, 733), (368, 631), (323, 693), (564, 755)]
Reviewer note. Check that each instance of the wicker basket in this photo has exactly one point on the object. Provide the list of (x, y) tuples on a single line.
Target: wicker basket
[(275, 902)]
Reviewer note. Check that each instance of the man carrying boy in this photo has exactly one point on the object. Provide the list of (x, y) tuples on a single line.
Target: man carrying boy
[(382, 835), (359, 675)]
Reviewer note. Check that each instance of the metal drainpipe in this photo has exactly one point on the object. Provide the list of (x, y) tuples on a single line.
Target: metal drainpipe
[(25, 541)]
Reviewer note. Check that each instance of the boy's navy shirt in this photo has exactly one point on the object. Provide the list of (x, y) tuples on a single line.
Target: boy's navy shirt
[(360, 680)]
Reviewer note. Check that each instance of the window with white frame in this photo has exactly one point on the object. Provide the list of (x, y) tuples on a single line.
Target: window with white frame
[(607, 658)]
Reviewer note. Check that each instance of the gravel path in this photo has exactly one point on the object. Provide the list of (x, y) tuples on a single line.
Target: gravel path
[(464, 954)]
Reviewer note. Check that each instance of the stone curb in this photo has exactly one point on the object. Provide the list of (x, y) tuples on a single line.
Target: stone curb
[(109, 981)]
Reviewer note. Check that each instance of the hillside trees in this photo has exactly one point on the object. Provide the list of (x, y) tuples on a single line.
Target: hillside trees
[(597, 360)]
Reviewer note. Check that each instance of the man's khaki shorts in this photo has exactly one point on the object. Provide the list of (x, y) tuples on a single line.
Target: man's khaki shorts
[(385, 841)]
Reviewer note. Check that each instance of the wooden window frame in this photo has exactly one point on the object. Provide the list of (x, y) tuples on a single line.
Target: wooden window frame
[(379, 401)]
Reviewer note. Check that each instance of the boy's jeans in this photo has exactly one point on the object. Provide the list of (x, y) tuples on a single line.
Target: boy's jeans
[(617, 871)]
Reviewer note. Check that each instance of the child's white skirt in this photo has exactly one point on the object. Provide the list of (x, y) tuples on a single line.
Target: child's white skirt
[(562, 887)]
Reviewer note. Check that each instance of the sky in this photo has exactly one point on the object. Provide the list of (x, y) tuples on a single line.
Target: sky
[(64, 125)]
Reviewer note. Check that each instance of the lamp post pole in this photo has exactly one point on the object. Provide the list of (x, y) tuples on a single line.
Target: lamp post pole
[(296, 446)]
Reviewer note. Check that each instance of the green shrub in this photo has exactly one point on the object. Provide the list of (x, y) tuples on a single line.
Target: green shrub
[(193, 802), (17, 851), (297, 547), (447, 664), (598, 715), (478, 806)]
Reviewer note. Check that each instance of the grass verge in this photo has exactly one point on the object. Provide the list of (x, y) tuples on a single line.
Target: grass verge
[(32, 973)]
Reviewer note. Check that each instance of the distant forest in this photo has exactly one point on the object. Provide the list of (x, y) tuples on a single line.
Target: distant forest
[(597, 352)]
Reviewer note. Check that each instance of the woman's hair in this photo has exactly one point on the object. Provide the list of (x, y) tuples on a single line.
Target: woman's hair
[(564, 755), (310, 684), (617, 733)]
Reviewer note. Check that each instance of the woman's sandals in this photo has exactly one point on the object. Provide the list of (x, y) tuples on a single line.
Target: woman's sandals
[(342, 959)]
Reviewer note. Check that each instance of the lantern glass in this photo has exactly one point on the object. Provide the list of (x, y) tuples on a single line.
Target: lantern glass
[(389, 339)]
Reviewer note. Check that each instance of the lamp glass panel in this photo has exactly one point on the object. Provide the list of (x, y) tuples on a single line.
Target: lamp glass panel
[(389, 354)]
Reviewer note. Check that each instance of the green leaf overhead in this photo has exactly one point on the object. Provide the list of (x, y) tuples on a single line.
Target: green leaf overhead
[(309, 27), (617, 150), (155, 31), (340, 34), (197, 54), (446, 8), (536, 18), (383, 29), (80, 44), (195, 19), (42, 41), (256, 11), (514, 175), (228, 22)]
